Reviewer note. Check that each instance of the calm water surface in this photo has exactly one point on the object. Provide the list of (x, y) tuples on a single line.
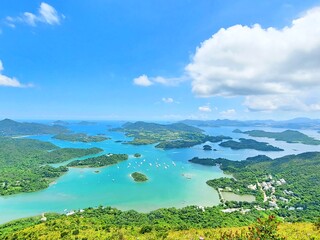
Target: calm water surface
[(176, 183)]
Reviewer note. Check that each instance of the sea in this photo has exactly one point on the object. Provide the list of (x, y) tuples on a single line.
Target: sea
[(173, 180)]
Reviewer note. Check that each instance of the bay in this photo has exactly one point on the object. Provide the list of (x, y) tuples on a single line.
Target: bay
[(175, 183)]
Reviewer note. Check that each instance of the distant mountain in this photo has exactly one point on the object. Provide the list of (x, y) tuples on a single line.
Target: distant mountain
[(9, 127), (60, 122), (296, 123), (86, 123)]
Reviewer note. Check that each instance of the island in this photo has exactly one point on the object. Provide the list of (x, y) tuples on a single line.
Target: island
[(80, 137), (9, 127), (139, 177), (24, 164), (289, 136), (175, 135), (249, 144), (207, 148), (86, 123), (100, 161), (137, 155)]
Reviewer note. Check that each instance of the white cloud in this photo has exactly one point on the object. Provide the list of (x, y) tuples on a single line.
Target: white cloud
[(143, 81), (6, 81), (169, 81), (160, 80), (228, 113), (46, 14), (273, 68), (167, 100), (204, 109)]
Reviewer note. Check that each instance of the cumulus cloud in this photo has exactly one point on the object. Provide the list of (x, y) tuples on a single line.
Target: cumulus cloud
[(6, 81), (273, 69), (167, 100), (205, 109), (143, 81), (46, 14)]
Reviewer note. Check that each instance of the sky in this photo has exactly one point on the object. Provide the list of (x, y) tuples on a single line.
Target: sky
[(159, 60)]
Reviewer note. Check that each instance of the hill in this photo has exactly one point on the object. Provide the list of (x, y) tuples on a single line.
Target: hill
[(288, 185), (24, 164), (12, 128), (289, 136)]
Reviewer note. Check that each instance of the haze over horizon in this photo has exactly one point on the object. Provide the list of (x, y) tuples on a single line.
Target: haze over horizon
[(159, 60)]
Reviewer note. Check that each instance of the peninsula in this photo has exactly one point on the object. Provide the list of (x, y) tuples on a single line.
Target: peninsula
[(100, 161), (175, 135), (24, 163), (80, 137)]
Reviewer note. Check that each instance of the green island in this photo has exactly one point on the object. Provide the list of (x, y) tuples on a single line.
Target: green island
[(9, 127), (288, 185), (137, 155), (191, 222), (175, 135), (207, 148), (24, 164), (289, 136), (80, 137), (100, 161), (249, 144), (139, 177), (86, 123)]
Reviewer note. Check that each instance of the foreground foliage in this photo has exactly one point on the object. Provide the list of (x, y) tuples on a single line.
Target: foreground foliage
[(187, 223)]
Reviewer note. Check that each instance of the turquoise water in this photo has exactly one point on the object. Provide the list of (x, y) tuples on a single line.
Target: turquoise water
[(176, 183)]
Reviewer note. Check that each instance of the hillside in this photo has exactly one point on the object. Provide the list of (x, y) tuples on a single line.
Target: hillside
[(12, 128), (290, 183), (187, 223), (24, 164)]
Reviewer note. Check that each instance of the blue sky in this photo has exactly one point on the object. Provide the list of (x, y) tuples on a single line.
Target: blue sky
[(158, 60)]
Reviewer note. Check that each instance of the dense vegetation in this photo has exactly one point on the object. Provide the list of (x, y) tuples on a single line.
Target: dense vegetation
[(139, 177), (176, 135), (100, 161), (172, 224), (12, 128), (79, 137), (249, 144), (299, 190), (24, 164), (289, 136)]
